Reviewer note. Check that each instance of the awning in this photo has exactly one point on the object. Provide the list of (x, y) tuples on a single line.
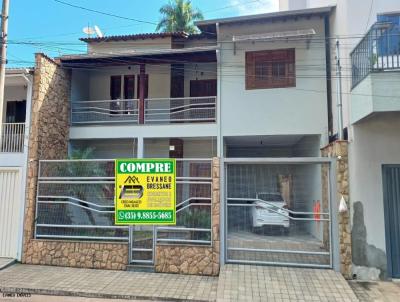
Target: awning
[(154, 56), (302, 33)]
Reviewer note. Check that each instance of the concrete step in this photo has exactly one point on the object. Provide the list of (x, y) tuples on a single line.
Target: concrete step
[(140, 268)]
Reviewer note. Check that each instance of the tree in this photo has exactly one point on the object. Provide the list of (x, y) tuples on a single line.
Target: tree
[(179, 15)]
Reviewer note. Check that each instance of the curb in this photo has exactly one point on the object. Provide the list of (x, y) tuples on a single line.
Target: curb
[(49, 292)]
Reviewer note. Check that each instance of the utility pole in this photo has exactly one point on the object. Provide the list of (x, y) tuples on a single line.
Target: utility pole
[(339, 91), (3, 58)]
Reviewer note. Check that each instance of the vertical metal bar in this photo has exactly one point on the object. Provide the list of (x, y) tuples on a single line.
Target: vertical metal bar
[(154, 245), (130, 242), (334, 224), (37, 198)]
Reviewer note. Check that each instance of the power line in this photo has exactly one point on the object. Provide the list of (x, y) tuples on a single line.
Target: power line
[(104, 13)]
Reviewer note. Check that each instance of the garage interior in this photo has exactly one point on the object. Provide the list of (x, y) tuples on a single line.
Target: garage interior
[(277, 213)]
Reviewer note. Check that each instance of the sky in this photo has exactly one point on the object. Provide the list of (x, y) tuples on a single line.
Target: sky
[(54, 28)]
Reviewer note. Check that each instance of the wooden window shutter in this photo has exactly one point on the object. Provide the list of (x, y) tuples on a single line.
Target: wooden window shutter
[(250, 70)]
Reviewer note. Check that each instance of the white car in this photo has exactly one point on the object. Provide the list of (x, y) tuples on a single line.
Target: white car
[(270, 209)]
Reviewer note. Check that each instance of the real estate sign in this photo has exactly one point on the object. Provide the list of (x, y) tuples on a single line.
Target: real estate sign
[(145, 191)]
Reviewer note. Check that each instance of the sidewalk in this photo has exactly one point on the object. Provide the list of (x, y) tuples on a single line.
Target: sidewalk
[(63, 281), (376, 291), (235, 283)]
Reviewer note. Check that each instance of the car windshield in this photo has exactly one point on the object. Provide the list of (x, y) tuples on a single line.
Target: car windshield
[(270, 197)]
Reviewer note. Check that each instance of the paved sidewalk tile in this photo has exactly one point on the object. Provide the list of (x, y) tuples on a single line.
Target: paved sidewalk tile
[(110, 284), (376, 291), (235, 283), (266, 283)]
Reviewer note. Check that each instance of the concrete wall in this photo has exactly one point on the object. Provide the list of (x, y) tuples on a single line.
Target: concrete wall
[(378, 92), (159, 81), (192, 148), (376, 142), (297, 110), (107, 149), (129, 46)]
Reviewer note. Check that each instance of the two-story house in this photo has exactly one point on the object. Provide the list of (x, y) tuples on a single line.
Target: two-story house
[(14, 131), (242, 106), (368, 35)]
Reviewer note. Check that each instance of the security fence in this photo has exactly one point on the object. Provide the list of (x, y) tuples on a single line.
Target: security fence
[(75, 201), (279, 212), (193, 207)]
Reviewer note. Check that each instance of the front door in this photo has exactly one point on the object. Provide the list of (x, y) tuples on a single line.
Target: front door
[(391, 196)]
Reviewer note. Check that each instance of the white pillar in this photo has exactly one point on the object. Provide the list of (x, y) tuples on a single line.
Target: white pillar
[(140, 147)]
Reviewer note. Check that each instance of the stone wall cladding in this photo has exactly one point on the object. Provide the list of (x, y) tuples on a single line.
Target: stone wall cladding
[(335, 149), (49, 131), (195, 260), (78, 254)]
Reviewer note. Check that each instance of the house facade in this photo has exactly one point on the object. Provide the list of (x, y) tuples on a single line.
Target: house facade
[(13, 159), (369, 35), (243, 106)]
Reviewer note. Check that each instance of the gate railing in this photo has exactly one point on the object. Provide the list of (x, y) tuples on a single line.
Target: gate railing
[(12, 137), (75, 201), (193, 208)]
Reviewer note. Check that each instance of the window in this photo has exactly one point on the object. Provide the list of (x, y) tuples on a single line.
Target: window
[(270, 69)]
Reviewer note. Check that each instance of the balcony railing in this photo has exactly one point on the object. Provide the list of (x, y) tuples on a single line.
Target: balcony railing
[(155, 111), (379, 50), (110, 111), (180, 110), (12, 137)]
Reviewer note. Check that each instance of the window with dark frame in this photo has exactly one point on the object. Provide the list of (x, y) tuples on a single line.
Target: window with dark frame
[(268, 69)]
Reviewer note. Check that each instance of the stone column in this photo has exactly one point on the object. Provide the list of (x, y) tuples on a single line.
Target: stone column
[(49, 132), (339, 150)]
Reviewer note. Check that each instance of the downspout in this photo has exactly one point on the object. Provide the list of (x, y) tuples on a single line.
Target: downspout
[(328, 74)]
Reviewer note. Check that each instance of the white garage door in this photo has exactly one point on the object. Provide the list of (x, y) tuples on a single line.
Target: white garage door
[(10, 209)]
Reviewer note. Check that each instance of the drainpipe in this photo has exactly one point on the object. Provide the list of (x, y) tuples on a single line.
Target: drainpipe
[(328, 74), (142, 79), (339, 91)]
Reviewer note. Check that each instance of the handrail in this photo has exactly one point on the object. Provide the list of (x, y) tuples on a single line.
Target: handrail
[(155, 111)]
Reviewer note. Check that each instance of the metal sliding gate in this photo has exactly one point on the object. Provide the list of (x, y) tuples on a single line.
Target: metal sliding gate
[(278, 212)]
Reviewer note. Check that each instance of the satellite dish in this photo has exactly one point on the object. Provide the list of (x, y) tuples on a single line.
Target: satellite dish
[(88, 30), (98, 31)]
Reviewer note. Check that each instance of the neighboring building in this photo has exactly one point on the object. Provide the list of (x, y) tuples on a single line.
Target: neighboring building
[(242, 106), (369, 35), (13, 159)]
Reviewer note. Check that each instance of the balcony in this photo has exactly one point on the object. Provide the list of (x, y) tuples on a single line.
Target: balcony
[(12, 138), (378, 51), (376, 72), (150, 111)]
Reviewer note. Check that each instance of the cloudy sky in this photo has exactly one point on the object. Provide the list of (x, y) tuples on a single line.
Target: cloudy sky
[(54, 28)]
